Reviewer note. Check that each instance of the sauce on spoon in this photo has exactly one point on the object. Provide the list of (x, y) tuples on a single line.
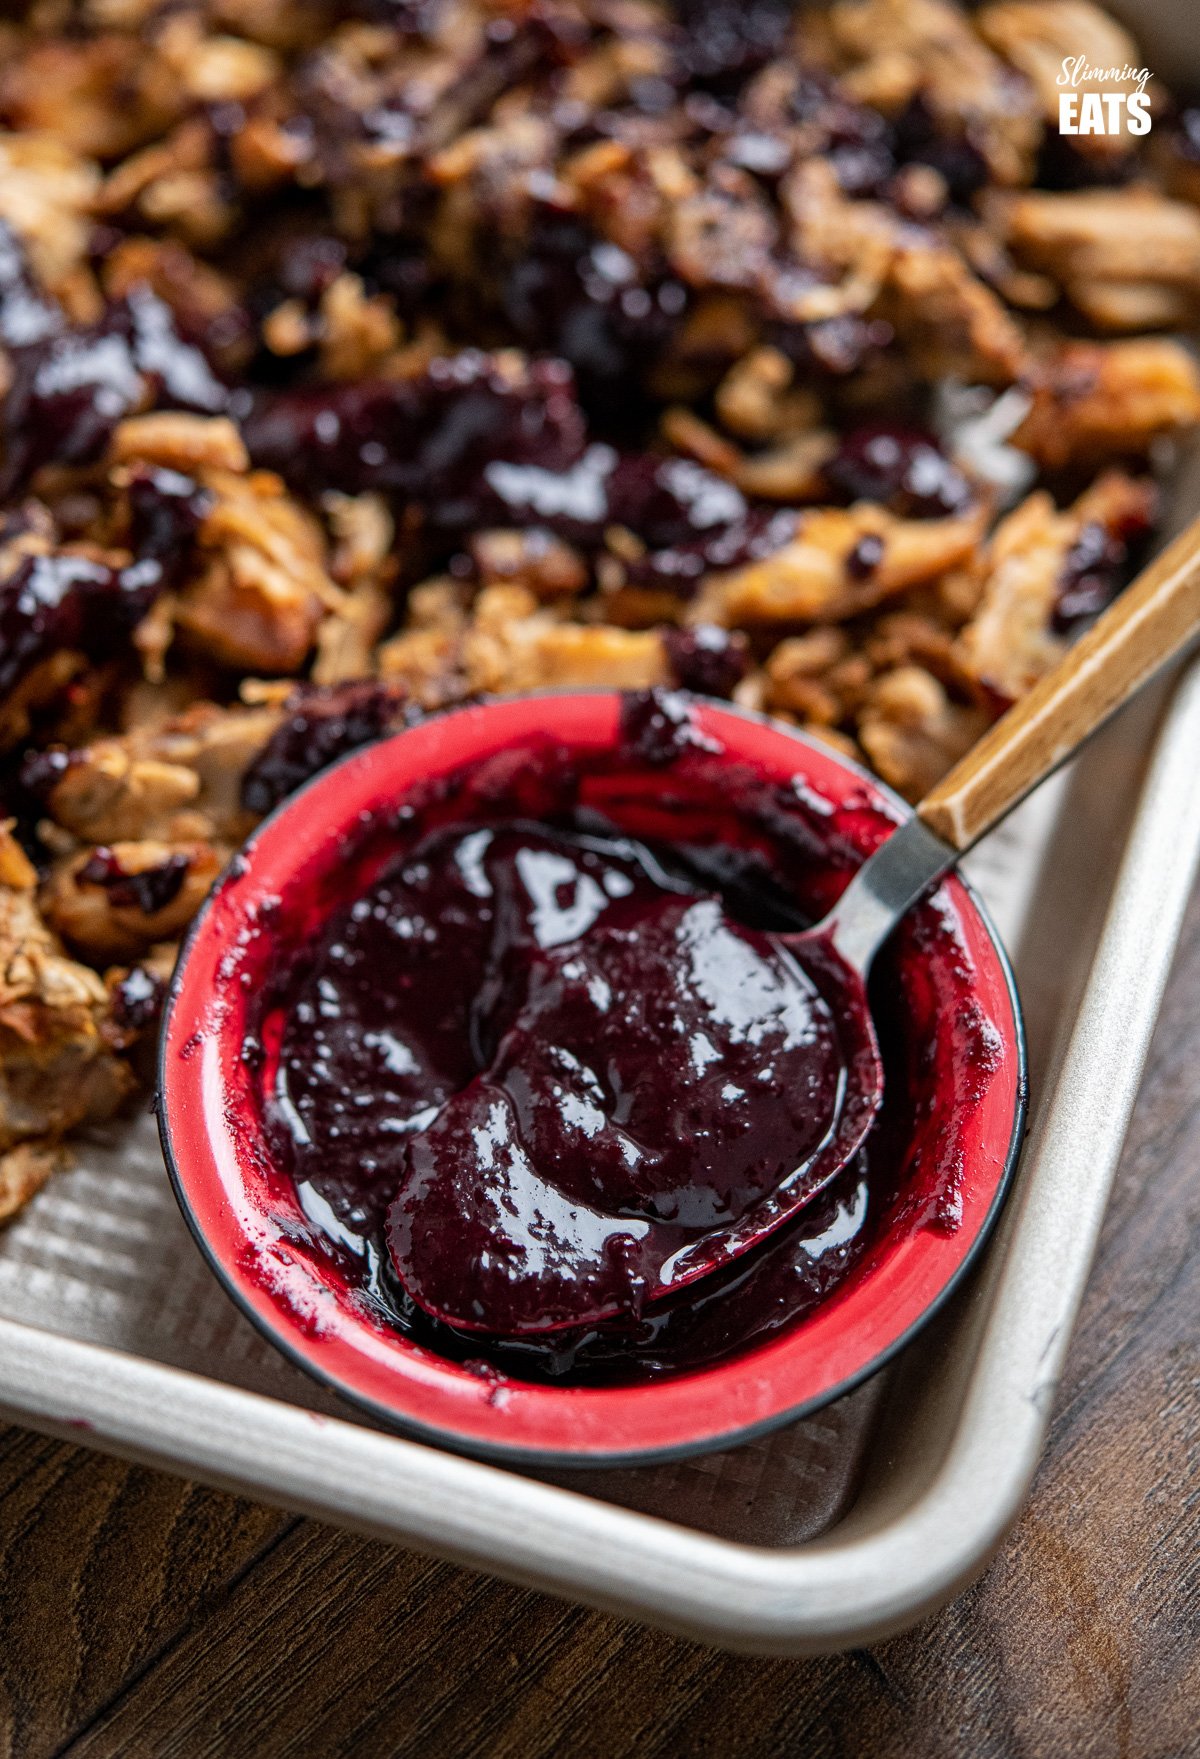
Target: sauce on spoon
[(532, 1058)]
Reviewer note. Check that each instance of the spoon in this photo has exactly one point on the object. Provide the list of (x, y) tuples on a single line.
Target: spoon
[(592, 1266), (1148, 624)]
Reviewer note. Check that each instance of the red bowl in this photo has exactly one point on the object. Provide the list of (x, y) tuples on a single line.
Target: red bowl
[(247, 1219)]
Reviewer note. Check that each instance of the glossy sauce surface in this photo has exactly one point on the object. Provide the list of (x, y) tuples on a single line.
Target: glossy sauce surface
[(576, 1062), (531, 1047)]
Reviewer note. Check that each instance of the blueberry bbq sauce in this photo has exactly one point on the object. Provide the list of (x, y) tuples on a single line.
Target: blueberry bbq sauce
[(537, 1026)]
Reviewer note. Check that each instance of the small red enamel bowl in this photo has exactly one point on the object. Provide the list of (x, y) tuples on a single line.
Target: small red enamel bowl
[(247, 1216)]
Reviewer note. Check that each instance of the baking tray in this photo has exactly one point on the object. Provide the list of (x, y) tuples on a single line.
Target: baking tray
[(837, 1530)]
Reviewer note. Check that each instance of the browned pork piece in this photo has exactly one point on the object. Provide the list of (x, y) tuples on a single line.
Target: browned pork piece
[(57, 1070), (1127, 259), (1093, 401)]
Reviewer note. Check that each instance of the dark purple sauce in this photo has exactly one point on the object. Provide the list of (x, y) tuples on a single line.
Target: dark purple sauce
[(575, 295), (499, 984), (690, 520), (472, 447), (57, 601), (149, 889), (166, 510), (70, 387), (137, 1000), (706, 659), (580, 1068), (1091, 575), (923, 139), (320, 724), (425, 439), (902, 468), (722, 42)]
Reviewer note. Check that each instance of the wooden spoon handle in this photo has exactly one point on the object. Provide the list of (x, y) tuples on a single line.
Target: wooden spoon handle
[(1151, 620)]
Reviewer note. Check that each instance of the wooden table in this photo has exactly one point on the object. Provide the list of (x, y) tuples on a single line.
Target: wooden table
[(144, 1618)]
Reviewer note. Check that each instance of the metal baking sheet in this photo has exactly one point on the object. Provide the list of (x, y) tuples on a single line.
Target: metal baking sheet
[(835, 1531)]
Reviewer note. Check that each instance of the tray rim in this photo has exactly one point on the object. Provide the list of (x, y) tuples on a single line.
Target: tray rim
[(853, 1585)]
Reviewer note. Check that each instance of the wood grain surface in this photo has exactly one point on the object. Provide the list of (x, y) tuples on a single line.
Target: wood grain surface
[(143, 1618)]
